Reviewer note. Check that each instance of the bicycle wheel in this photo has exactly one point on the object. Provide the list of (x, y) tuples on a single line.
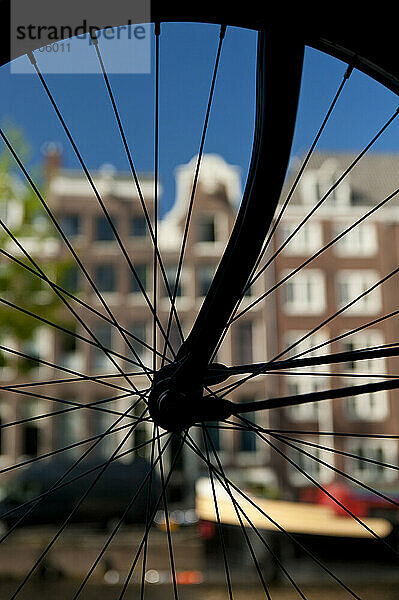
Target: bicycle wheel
[(175, 376)]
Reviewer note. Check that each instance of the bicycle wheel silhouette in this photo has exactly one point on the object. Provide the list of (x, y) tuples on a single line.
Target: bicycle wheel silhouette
[(171, 397)]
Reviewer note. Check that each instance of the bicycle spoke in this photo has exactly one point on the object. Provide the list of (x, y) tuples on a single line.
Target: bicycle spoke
[(157, 32), (253, 278), (195, 178), (233, 425), (82, 442), (152, 230), (351, 332), (61, 233), (242, 526), (69, 332), (318, 327), (326, 359), (79, 319), (215, 503), (32, 503), (326, 492), (238, 509), (59, 485), (321, 487), (69, 517), (261, 368), (373, 461), (76, 405), (316, 254), (346, 76), (355, 390), (340, 311), (324, 197), (384, 351), (49, 382), (147, 518), (333, 375), (253, 427), (282, 530), (78, 376), (98, 197), (168, 533), (88, 307), (119, 523), (134, 562)]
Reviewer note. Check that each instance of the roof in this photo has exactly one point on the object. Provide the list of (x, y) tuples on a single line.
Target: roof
[(374, 177)]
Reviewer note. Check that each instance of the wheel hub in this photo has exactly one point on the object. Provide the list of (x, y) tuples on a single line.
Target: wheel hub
[(176, 405)]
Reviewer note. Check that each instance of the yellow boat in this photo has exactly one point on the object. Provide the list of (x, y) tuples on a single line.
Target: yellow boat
[(281, 515)]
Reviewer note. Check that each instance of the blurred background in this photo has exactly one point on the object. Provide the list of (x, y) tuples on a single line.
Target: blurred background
[(299, 471)]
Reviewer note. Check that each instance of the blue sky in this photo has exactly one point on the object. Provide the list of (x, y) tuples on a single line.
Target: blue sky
[(187, 58)]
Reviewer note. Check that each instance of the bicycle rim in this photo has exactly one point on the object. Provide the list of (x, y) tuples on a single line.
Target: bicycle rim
[(227, 452)]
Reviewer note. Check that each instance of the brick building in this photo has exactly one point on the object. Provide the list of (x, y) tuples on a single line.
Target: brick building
[(116, 293), (332, 279)]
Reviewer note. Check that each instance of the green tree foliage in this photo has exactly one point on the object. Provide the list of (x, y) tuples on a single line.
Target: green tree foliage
[(22, 214)]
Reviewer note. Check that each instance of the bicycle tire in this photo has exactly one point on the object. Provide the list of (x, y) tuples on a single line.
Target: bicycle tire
[(341, 42)]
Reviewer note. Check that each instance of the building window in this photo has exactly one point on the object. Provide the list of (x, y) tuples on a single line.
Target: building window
[(359, 241), (304, 292), (373, 406), (30, 429), (205, 277), (307, 240), (105, 278), (327, 177), (36, 348), (101, 422), (30, 440), (100, 360), (70, 224), (296, 386), (306, 464), (138, 227), (247, 437), (364, 340), (351, 284), (171, 279), (317, 184), (68, 431), (244, 342), (206, 228), (141, 353), (103, 230), (140, 440), (68, 355), (311, 345), (69, 279), (212, 432), (142, 273), (378, 450)]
